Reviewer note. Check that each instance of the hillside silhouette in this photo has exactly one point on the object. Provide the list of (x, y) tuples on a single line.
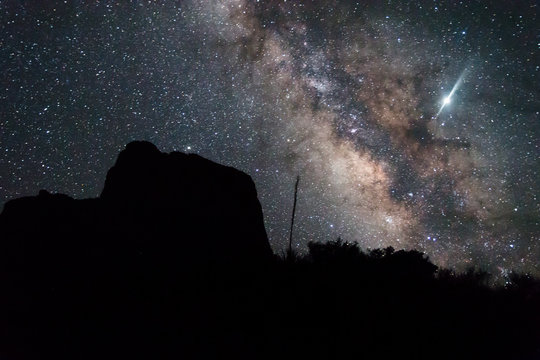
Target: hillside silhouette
[(172, 261)]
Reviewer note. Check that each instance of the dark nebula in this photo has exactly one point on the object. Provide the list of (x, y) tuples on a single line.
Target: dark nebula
[(350, 96)]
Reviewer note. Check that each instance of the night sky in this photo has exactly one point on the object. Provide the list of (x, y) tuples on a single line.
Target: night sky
[(411, 124)]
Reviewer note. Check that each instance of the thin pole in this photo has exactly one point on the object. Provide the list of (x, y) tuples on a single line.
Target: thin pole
[(292, 218)]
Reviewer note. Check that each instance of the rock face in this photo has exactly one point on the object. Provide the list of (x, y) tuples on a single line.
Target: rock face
[(166, 208)]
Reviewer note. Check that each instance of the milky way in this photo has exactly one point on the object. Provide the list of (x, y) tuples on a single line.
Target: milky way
[(350, 96)]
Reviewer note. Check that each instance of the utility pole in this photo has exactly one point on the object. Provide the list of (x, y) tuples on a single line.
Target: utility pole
[(289, 253)]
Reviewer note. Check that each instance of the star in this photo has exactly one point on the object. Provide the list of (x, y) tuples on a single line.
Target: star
[(448, 99)]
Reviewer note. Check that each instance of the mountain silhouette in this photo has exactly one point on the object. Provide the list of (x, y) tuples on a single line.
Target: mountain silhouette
[(164, 224), (172, 204)]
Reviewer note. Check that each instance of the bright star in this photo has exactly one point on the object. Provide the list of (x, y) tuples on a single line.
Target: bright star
[(448, 99)]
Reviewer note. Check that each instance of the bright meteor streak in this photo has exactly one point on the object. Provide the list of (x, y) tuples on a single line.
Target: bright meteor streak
[(448, 99)]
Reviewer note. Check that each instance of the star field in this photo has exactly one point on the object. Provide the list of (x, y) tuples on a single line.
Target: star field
[(412, 125)]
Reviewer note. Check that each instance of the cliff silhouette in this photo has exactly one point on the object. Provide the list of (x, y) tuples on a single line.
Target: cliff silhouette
[(172, 260), (152, 202)]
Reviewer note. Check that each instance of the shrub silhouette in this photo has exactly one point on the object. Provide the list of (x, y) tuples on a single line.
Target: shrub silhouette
[(335, 252)]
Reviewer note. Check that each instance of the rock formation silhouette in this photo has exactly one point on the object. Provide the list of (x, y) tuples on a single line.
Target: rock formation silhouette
[(73, 270), (177, 206)]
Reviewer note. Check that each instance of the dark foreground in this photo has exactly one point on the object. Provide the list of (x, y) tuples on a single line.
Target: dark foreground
[(338, 303), (172, 261)]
